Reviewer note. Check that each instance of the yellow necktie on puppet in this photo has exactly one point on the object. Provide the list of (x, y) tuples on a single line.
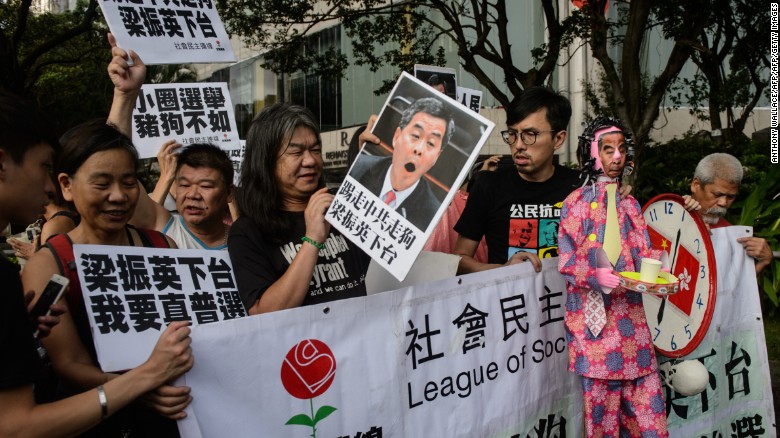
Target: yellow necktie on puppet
[(612, 228)]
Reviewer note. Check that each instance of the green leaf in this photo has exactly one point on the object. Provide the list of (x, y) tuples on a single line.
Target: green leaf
[(302, 419), (323, 412)]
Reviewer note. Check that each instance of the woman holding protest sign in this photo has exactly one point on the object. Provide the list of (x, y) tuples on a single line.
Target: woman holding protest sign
[(97, 173), (283, 251), (26, 154)]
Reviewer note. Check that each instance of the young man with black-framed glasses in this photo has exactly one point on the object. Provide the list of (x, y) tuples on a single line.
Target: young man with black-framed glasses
[(504, 203)]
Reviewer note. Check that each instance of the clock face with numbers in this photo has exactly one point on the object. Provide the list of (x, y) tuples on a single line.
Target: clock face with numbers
[(679, 322)]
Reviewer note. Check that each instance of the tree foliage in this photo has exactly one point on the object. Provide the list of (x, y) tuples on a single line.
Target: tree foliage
[(725, 39), (31, 42), (400, 34), (57, 59), (731, 57), (637, 94)]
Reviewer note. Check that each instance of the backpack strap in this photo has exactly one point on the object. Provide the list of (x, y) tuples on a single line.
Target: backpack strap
[(62, 248)]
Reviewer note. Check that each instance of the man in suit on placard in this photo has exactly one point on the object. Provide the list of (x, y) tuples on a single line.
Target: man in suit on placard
[(424, 130)]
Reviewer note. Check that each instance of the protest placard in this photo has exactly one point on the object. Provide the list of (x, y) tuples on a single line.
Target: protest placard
[(189, 113), (737, 401), (470, 98), (442, 79), (237, 159), (395, 192), (132, 293), (169, 31)]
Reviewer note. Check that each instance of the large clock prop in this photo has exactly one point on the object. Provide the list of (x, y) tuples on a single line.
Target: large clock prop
[(679, 322)]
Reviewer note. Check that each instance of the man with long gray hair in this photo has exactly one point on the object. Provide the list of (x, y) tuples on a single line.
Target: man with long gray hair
[(283, 251)]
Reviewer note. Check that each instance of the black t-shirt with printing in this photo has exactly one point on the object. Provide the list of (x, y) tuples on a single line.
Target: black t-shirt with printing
[(516, 215), (340, 271)]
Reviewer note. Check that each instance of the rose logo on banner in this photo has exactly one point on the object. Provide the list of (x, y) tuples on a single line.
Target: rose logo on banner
[(308, 371)]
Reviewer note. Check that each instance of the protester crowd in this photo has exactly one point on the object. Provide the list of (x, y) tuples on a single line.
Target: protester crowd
[(84, 188)]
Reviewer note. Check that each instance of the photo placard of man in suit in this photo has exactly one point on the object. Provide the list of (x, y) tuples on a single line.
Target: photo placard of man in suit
[(425, 129)]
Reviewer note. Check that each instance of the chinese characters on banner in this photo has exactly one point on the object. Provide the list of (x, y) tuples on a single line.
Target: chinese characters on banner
[(737, 402), (477, 355), (169, 31), (132, 293), (472, 99), (393, 232), (486, 357), (189, 113)]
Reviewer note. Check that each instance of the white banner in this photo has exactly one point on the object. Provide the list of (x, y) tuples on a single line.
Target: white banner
[(132, 293), (738, 400), (189, 113), (421, 165), (482, 355), (169, 31)]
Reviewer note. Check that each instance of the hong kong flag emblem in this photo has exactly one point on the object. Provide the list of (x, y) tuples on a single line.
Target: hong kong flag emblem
[(686, 268)]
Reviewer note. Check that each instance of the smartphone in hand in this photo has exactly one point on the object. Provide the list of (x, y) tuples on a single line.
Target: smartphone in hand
[(50, 295)]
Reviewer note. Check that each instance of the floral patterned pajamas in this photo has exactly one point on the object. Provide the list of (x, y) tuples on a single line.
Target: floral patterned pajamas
[(618, 366), (624, 408)]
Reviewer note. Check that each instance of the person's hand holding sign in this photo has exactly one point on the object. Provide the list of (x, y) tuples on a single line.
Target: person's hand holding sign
[(126, 69), (127, 72)]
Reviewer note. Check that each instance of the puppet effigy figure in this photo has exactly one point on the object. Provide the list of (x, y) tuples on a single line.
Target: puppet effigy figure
[(610, 345)]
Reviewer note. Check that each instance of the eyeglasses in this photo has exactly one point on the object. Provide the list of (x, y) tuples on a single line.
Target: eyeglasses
[(528, 137)]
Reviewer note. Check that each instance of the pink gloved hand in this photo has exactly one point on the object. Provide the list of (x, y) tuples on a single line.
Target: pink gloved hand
[(666, 269), (606, 278)]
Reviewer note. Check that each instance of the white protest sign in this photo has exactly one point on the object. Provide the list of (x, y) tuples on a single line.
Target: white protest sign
[(442, 79), (737, 401), (482, 355), (132, 293), (430, 266), (169, 31), (237, 159), (470, 98), (189, 113), (421, 164)]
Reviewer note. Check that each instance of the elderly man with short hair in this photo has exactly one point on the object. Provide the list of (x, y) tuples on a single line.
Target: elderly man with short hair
[(715, 186)]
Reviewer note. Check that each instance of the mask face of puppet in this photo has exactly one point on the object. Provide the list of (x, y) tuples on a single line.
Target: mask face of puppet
[(594, 145)]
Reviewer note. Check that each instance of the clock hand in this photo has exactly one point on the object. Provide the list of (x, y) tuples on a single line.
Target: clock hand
[(676, 246), (671, 269)]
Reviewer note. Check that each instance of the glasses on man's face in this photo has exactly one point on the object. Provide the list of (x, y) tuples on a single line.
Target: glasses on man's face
[(528, 136)]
